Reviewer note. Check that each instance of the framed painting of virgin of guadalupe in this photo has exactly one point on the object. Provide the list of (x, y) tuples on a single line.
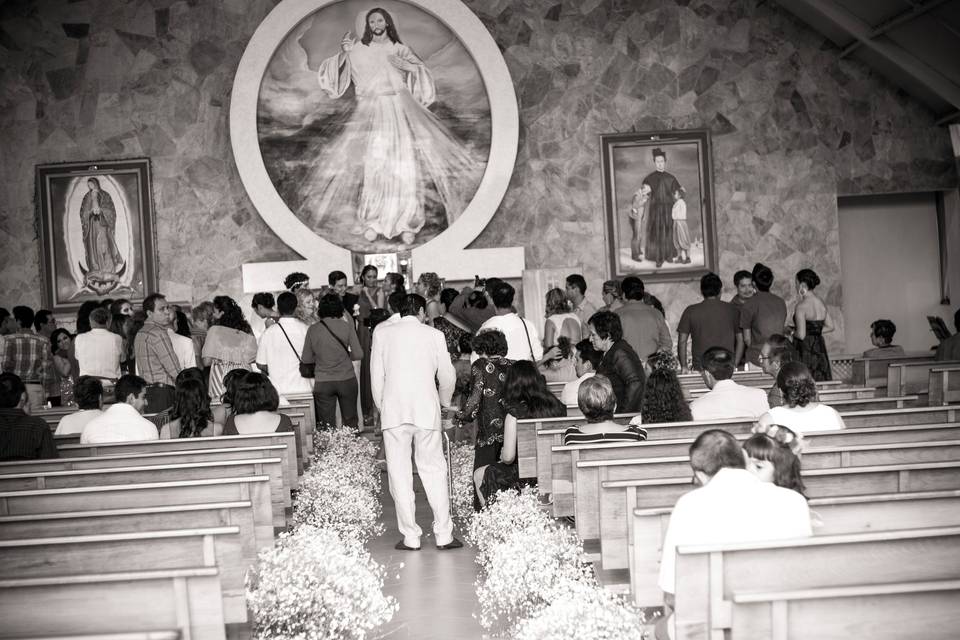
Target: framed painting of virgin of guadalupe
[(658, 199), (96, 232)]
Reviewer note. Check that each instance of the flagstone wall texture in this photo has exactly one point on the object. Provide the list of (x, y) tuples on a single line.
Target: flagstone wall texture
[(793, 126)]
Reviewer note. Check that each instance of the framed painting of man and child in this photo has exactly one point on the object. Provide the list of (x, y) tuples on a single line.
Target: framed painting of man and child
[(96, 231), (658, 201)]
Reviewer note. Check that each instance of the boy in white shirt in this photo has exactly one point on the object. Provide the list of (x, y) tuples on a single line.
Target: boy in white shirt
[(123, 422), (681, 234)]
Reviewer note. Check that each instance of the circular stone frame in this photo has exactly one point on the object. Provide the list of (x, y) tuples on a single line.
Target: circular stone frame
[(504, 117)]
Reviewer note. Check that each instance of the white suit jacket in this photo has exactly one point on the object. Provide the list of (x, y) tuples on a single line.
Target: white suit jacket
[(407, 360)]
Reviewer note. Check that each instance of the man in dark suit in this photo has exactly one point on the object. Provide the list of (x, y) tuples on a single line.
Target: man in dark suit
[(338, 285), (620, 362)]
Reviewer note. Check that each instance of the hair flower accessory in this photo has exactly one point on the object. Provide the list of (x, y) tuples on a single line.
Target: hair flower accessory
[(782, 435)]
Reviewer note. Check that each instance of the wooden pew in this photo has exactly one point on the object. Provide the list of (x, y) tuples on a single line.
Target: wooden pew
[(873, 371), (255, 489), (289, 455), (137, 551), (620, 497), (845, 514), (269, 467), (171, 634), (186, 599), (709, 576), (933, 606), (154, 457), (944, 385), (912, 377)]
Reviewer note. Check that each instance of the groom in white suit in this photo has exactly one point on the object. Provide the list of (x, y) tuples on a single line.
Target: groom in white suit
[(407, 360)]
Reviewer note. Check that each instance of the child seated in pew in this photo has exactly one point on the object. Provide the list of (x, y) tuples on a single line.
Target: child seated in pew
[(801, 412), (255, 408), (773, 455), (88, 394), (730, 505), (597, 403), (191, 414)]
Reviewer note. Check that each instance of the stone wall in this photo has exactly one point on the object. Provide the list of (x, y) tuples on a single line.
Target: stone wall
[(793, 126)]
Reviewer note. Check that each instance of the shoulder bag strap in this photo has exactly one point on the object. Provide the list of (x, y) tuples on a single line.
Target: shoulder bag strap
[(289, 342), (335, 337), (523, 323)]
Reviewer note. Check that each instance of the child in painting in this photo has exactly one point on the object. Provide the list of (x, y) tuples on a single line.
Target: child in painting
[(681, 234)]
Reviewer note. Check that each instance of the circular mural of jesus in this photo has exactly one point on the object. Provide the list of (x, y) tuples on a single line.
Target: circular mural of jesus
[(374, 125)]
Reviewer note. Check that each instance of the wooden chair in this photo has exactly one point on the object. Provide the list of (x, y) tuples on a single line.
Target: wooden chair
[(844, 514), (96, 604), (138, 551), (255, 489), (708, 576), (269, 467)]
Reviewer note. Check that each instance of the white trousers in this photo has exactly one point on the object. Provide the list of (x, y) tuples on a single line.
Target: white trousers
[(427, 446)]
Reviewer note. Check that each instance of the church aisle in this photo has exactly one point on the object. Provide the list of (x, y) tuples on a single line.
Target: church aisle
[(435, 589)]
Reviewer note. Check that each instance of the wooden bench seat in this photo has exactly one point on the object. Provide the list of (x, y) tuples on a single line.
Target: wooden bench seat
[(874, 610), (709, 576), (944, 385), (873, 371), (618, 498), (255, 489), (269, 467), (218, 547), (913, 377), (168, 634), (844, 514), (71, 606), (289, 455)]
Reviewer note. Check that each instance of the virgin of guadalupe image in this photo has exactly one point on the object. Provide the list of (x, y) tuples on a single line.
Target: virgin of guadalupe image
[(394, 162), (98, 220)]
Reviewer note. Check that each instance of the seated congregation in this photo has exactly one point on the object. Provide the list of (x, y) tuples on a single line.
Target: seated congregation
[(717, 486)]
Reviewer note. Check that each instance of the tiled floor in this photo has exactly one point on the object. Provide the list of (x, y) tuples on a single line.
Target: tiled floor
[(435, 589)]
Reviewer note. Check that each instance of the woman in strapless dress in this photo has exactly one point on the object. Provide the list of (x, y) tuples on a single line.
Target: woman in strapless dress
[(812, 321)]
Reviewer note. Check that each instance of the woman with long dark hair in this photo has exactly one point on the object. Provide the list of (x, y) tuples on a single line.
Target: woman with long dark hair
[(663, 399), (65, 365), (190, 413), (525, 396), (229, 344), (773, 456), (329, 350)]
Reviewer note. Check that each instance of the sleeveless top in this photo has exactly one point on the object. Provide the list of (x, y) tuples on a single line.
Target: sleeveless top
[(558, 319), (230, 427)]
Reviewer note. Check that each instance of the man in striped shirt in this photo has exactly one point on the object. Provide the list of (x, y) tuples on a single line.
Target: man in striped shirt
[(157, 362), (29, 357)]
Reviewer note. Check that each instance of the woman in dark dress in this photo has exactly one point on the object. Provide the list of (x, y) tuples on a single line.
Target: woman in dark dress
[(525, 396), (811, 321), (453, 329)]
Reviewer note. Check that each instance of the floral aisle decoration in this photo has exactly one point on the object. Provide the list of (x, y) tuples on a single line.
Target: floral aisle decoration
[(530, 564), (315, 585), (341, 489), (319, 582), (461, 496)]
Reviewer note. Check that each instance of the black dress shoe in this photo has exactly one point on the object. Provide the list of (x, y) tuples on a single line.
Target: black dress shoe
[(453, 544), (402, 546)]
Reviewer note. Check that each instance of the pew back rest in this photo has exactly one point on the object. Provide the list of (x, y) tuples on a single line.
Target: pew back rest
[(944, 385), (912, 377)]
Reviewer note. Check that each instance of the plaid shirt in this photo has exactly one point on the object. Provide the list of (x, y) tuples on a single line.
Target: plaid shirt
[(28, 355), (156, 360)]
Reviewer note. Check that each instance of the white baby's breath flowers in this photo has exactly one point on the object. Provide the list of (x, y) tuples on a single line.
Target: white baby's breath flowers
[(461, 499), (585, 613)]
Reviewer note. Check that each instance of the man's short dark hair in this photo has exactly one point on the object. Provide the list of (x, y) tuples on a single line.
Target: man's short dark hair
[(11, 390), (87, 392), (781, 349), (632, 288), (502, 295), (883, 329), (4, 314), (100, 316), (330, 306), (395, 300), (41, 318), (607, 325), (286, 303), (718, 362), (128, 384), (659, 153), (295, 280), (711, 285), (578, 282), (335, 277), (412, 305), (263, 299), (589, 354), (762, 277), (150, 302), (24, 316), (716, 449), (489, 342), (740, 275)]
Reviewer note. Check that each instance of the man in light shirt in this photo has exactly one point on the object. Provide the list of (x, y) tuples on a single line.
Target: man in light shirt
[(123, 422), (88, 394), (731, 505), (523, 341), (281, 346), (99, 351), (576, 290), (585, 362), (726, 398)]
